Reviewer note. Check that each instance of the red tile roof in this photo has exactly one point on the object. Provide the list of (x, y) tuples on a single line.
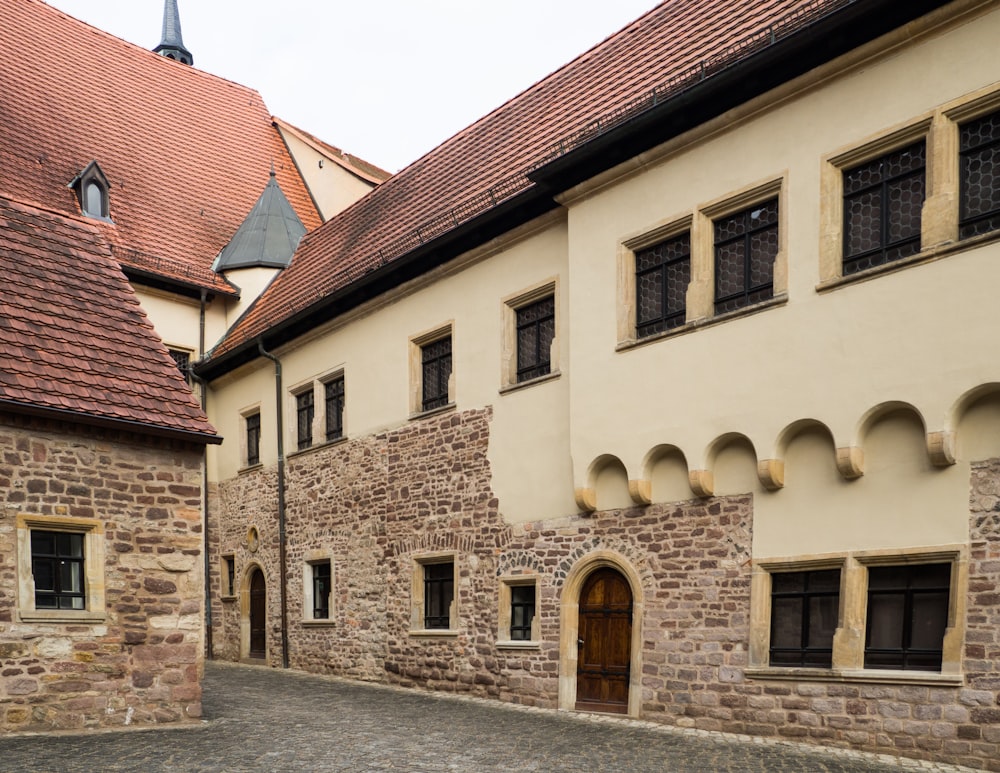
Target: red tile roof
[(73, 339), (496, 151), (186, 153)]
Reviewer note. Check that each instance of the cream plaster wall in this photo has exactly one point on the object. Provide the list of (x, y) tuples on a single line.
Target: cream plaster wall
[(529, 431), (252, 282), (333, 187), (923, 335)]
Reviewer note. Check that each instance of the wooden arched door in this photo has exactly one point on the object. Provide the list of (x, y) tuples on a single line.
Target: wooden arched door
[(605, 643), (258, 615)]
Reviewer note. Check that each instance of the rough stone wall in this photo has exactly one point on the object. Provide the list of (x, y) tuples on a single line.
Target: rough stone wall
[(143, 663), (376, 503)]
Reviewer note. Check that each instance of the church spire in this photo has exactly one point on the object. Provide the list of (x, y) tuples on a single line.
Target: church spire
[(172, 45)]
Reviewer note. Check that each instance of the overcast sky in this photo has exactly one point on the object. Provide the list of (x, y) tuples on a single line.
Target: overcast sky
[(386, 80)]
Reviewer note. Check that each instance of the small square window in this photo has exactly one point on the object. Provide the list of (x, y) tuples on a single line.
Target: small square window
[(435, 362), (746, 246), (804, 616), (883, 204), (662, 275), (536, 328), (335, 408), (979, 176), (252, 422), (305, 412), (907, 616)]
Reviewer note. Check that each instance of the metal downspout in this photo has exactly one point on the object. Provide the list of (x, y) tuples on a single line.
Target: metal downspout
[(281, 500), (209, 643)]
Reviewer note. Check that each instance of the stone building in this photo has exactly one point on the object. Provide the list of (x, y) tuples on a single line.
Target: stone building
[(668, 388)]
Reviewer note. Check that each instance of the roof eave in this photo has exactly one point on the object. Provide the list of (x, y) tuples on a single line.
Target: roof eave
[(178, 286), (823, 41), (106, 422)]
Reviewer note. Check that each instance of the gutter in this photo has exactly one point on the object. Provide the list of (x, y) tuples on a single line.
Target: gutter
[(205, 521), (282, 543)]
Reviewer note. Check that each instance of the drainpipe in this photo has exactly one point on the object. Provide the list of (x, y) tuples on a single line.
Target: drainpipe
[(281, 499), (209, 645)]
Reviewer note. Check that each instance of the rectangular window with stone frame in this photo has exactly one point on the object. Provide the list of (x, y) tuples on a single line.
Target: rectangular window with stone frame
[(662, 275), (435, 365), (305, 412), (746, 246), (335, 397), (804, 617), (57, 566), (536, 329), (252, 423), (883, 205), (439, 592), (322, 585), (979, 176)]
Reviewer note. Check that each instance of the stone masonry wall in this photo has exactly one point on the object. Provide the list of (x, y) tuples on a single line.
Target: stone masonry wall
[(143, 663), (376, 504)]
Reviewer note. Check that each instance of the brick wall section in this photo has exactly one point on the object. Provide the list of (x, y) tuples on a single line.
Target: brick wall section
[(143, 664), (377, 503)]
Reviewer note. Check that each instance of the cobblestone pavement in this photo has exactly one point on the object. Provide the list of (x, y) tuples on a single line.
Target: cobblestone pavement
[(258, 719)]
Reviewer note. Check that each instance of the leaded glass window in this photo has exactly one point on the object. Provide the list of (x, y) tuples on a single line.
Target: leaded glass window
[(439, 592), (536, 328), (57, 569), (804, 611), (335, 409), (746, 245), (662, 275), (305, 411), (979, 165), (253, 439), (883, 200), (435, 372), (182, 360), (907, 616)]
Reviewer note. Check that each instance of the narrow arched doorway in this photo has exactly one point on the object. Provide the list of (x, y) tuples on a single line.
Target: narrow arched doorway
[(604, 657), (258, 615)]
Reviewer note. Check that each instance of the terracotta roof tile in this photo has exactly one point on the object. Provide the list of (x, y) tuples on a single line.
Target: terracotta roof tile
[(72, 335), (186, 153), (491, 157)]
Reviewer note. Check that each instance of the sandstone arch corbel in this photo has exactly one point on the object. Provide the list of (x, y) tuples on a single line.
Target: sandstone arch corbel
[(941, 448), (641, 491), (702, 482), (851, 462), (771, 473), (586, 499)]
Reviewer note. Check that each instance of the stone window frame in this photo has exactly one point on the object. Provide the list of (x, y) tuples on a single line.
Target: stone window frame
[(504, 612), (93, 569), (547, 288), (324, 382), (939, 235), (311, 559), (296, 393), (849, 639), (182, 357), (416, 346), (227, 577), (700, 298), (245, 415), (417, 609)]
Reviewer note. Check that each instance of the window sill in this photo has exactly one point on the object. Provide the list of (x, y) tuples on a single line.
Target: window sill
[(314, 623), (697, 324), (230, 597), (863, 676), (316, 447), (519, 645), (251, 468), (925, 256), (435, 633), (508, 388), (432, 412), (61, 616)]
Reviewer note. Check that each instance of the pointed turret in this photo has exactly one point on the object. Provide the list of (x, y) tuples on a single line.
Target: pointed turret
[(172, 45)]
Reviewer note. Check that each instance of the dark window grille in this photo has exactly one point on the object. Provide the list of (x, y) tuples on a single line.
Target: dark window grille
[(662, 275), (746, 245), (57, 569), (883, 200), (183, 362), (804, 611), (907, 616), (321, 581), (979, 164), (230, 569), (253, 439), (439, 592), (436, 370), (305, 411), (522, 611), (536, 327), (335, 409)]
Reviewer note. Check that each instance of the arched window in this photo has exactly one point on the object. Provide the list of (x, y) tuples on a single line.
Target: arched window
[(93, 200), (93, 191)]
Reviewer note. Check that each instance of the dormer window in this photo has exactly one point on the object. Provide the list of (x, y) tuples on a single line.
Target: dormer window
[(92, 190)]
